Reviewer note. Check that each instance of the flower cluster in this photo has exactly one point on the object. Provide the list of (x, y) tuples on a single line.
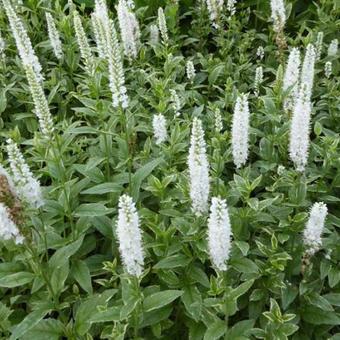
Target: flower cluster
[(175, 101), (113, 55), (130, 236), (214, 8), (162, 25), (333, 48), (84, 47), (198, 169), (8, 229), (231, 7), (258, 80), (129, 29), (159, 128), (26, 185), (278, 14), (22, 40), (318, 45), (33, 70), (240, 131), (291, 79), (314, 228), (328, 69), (219, 233), (154, 34), (53, 34), (190, 69)]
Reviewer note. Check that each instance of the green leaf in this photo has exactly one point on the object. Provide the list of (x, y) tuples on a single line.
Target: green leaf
[(241, 289), (216, 330), (16, 279), (88, 309), (103, 188), (64, 253), (82, 275), (50, 329), (241, 330), (173, 261), (160, 299), (28, 323), (111, 314), (317, 316), (141, 174), (92, 209), (244, 265), (215, 73), (59, 276)]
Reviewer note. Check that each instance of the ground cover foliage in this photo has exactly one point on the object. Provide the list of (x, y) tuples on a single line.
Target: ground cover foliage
[(66, 279)]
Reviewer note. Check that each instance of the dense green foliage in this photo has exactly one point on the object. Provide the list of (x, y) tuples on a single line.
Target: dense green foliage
[(67, 280)]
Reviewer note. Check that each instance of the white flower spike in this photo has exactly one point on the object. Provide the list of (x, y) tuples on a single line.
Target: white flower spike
[(198, 169), (159, 128), (291, 79), (307, 72), (83, 44), (240, 131), (299, 131), (219, 233), (129, 29), (8, 229), (26, 185), (130, 236), (278, 14), (162, 26), (54, 36), (190, 69), (314, 228), (333, 48)]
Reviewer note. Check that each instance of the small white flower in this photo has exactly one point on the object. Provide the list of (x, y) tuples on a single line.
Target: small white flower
[(159, 128), (130, 236), (2, 46), (281, 170), (41, 108), (198, 169), (314, 228), (190, 69), (113, 55), (54, 36), (99, 36), (162, 26), (154, 35), (240, 131), (4, 173), (84, 47), (291, 79), (307, 72), (22, 40), (258, 79), (129, 29), (299, 131), (318, 45), (231, 7), (278, 14), (333, 48), (26, 185), (218, 120), (176, 103), (8, 229), (328, 69), (219, 233), (215, 7), (260, 52)]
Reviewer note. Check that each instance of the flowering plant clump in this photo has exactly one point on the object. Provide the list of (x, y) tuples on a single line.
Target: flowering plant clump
[(169, 169)]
